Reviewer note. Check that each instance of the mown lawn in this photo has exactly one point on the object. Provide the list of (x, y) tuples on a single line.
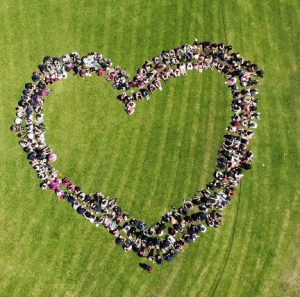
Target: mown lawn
[(154, 159)]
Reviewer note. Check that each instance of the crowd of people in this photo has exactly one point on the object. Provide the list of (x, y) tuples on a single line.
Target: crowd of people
[(180, 226)]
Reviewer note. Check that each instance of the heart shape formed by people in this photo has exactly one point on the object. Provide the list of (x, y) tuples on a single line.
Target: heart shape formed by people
[(182, 225)]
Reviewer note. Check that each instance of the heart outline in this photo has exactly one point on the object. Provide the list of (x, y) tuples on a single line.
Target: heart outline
[(204, 54)]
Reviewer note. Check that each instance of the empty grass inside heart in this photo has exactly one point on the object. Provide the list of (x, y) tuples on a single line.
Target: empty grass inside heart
[(152, 160)]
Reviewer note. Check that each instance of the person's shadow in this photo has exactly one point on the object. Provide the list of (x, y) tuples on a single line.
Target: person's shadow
[(146, 267), (143, 265)]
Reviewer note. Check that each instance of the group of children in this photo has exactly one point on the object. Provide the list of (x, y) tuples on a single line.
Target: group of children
[(162, 241)]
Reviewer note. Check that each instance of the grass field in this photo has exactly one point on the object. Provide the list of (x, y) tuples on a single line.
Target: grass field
[(154, 159)]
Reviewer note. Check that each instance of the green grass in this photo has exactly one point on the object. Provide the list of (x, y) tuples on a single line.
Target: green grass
[(154, 159)]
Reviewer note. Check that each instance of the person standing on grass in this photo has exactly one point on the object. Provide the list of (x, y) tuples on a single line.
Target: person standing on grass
[(149, 268)]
